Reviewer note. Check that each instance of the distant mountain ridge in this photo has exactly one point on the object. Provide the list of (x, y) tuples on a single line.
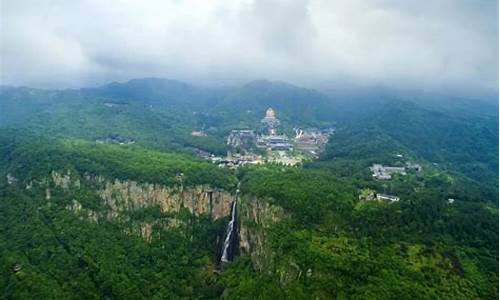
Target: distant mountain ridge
[(246, 102), (457, 132)]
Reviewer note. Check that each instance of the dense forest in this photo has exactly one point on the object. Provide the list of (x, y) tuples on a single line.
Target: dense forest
[(82, 219)]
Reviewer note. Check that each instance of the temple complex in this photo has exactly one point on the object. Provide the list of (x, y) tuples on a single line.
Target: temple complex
[(273, 141), (244, 144)]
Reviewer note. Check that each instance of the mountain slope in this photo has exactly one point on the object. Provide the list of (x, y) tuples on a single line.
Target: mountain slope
[(83, 219)]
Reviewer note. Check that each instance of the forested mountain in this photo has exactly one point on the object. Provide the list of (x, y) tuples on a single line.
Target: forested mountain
[(465, 145), (84, 219)]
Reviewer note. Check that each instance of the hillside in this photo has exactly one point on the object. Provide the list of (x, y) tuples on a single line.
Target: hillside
[(102, 196)]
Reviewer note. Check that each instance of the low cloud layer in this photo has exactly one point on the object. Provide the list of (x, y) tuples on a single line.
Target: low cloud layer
[(59, 43)]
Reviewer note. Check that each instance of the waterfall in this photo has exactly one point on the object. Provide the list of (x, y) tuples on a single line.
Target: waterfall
[(230, 231)]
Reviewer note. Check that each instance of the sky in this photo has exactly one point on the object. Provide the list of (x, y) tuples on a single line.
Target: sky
[(60, 43)]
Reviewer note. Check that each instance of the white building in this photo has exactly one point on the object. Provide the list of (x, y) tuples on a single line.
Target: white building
[(385, 197)]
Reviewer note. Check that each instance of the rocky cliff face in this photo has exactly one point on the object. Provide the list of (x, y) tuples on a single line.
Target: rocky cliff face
[(256, 216), (127, 195), (121, 196)]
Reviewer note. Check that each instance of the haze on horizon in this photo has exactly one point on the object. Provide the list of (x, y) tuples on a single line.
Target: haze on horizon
[(58, 44)]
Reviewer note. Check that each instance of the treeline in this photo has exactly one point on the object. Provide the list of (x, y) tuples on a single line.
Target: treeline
[(33, 157)]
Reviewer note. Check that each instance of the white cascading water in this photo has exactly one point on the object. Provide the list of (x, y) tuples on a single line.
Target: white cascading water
[(229, 233)]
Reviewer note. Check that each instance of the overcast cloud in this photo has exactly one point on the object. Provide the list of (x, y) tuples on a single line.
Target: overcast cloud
[(62, 43)]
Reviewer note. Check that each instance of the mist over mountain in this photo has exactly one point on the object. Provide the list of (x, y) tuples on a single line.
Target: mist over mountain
[(175, 171), (249, 149)]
